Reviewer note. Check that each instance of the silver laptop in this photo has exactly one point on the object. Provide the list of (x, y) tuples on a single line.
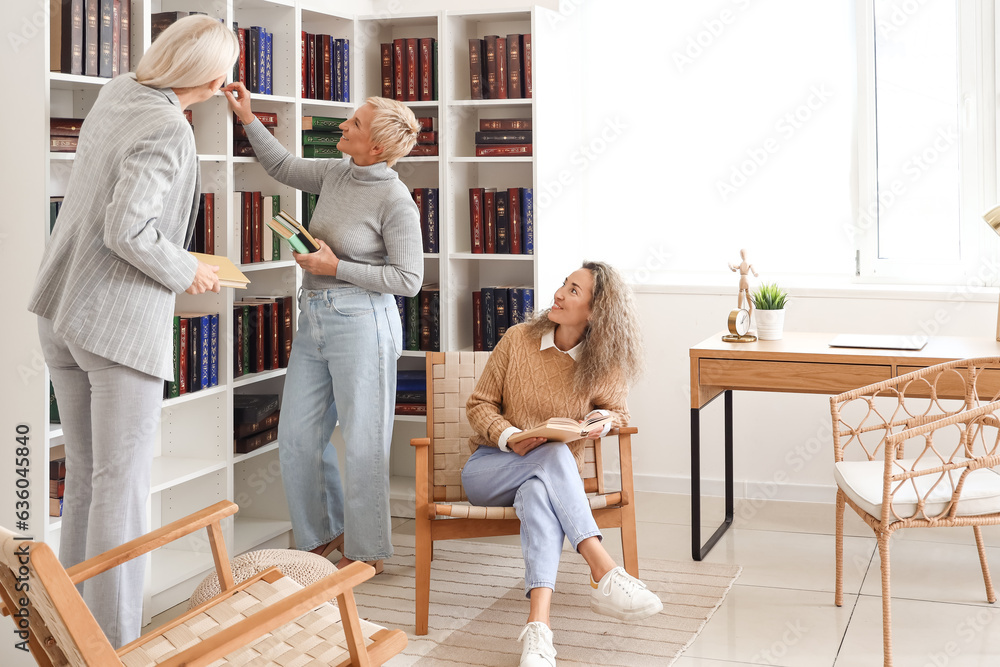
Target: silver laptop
[(880, 341)]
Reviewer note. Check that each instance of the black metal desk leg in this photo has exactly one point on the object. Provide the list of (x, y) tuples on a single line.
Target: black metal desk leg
[(698, 552)]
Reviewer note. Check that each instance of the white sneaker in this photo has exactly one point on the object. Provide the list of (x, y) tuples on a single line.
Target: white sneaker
[(537, 650), (622, 596)]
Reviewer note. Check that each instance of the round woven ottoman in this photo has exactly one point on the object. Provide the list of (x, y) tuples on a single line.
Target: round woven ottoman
[(303, 567)]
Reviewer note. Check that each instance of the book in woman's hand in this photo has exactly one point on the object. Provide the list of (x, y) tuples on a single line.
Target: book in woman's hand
[(562, 429), (297, 236)]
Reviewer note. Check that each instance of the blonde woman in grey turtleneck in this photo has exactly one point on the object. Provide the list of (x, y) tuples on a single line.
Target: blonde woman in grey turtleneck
[(342, 366)]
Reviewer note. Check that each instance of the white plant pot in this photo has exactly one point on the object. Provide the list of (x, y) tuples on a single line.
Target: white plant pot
[(770, 323)]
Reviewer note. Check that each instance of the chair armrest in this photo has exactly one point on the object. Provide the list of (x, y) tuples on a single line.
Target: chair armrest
[(274, 616), (420, 442), (624, 430), (150, 541)]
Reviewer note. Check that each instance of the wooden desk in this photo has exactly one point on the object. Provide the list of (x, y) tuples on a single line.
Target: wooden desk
[(799, 363)]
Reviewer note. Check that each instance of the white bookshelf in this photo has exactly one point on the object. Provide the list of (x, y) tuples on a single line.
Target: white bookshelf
[(194, 464)]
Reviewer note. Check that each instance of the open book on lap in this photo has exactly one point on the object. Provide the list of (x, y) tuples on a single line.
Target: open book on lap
[(562, 429)]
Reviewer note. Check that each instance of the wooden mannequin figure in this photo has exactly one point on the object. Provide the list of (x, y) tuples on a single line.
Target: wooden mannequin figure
[(744, 268)]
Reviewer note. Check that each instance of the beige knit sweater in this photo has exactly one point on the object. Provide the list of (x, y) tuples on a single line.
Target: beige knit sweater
[(524, 386)]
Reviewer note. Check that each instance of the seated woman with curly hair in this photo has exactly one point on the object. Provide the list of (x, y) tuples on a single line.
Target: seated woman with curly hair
[(574, 360)]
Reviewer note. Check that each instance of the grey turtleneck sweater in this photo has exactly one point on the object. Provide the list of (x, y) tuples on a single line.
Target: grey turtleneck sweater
[(365, 214)]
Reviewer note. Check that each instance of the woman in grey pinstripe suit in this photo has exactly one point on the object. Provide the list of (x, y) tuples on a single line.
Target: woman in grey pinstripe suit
[(105, 295)]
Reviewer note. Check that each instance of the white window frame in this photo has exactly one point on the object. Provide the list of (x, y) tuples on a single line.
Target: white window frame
[(977, 128)]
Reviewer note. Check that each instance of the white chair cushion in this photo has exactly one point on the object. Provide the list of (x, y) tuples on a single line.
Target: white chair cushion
[(862, 481)]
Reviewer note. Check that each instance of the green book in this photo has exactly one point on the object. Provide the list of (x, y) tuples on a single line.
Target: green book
[(311, 198), (53, 408), (412, 327), (275, 241), (174, 388), (315, 138), (321, 151), (322, 123)]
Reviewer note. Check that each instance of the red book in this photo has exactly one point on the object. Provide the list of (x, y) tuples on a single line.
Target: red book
[(502, 67), (477, 321), (189, 116), (411, 408), (385, 51), (491, 90), (325, 45), (426, 68), (475, 69), (241, 36), (422, 150), (67, 144), (526, 59), (116, 44), (504, 150), (399, 69), (209, 222), (427, 138), (412, 63), (310, 80), (514, 69), (287, 307), (489, 221), (260, 360), (125, 53), (65, 127), (418, 199), (488, 124), (276, 328), (267, 118), (246, 227), (257, 238), (182, 386), (304, 59), (426, 123), (514, 219), (476, 219)]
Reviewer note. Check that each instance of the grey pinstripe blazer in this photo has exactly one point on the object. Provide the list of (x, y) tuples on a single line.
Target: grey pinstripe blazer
[(116, 257)]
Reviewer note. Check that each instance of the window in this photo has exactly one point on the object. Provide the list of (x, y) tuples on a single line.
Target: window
[(927, 127)]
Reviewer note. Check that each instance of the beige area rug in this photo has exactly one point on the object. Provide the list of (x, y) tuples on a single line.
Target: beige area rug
[(478, 608)]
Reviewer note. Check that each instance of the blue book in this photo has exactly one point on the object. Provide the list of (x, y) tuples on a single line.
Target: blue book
[(431, 216), (213, 351), (205, 345), (515, 305), (527, 222), (337, 75), (527, 302), (412, 375), (489, 319), (502, 200), (346, 64), (501, 312), (268, 71), (404, 384), (262, 61)]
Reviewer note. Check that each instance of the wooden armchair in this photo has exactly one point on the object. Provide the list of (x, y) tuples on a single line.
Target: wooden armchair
[(925, 455), (269, 618), (442, 509)]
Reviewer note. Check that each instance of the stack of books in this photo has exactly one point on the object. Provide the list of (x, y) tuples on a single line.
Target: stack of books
[(500, 67), (495, 309), (411, 392), (503, 137), (64, 134), (252, 210), (320, 136), (421, 319), (241, 145), (326, 68), (204, 228), (409, 69), (502, 221), (57, 486), (253, 67), (90, 37), (262, 333), (284, 226), (427, 201), (255, 421), (427, 139), (196, 353)]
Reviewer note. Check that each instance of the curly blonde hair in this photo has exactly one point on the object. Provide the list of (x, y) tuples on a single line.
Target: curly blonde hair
[(612, 342)]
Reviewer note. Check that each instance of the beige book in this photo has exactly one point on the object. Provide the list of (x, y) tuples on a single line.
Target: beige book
[(229, 275), (562, 429)]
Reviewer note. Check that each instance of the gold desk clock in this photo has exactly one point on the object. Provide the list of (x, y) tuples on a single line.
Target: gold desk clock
[(739, 325)]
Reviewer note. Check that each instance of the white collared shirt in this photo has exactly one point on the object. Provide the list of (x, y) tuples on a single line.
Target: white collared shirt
[(549, 340)]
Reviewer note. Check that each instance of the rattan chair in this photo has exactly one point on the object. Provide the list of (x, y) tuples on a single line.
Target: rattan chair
[(267, 620), (442, 509), (925, 455)]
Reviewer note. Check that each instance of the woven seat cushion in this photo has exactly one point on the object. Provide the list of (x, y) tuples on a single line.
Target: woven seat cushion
[(469, 511), (862, 481), (302, 567), (313, 639)]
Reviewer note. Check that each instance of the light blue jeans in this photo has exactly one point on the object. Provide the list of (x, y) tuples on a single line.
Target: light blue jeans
[(342, 367), (545, 488)]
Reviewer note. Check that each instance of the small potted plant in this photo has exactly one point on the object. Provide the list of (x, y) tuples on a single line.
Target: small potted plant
[(769, 311)]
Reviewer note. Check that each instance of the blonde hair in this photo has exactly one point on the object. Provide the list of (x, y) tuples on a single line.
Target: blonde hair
[(612, 343), (393, 127), (193, 51)]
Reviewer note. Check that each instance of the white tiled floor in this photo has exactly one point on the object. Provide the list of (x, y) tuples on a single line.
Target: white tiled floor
[(781, 611)]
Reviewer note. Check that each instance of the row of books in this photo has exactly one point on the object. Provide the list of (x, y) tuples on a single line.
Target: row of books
[(262, 333), (500, 67), (420, 316), (90, 37), (241, 144), (320, 136), (253, 67), (495, 309), (502, 221), (204, 227), (428, 203), (427, 139), (326, 68), (257, 242), (411, 392), (255, 421), (196, 353), (57, 486), (64, 134), (409, 69)]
